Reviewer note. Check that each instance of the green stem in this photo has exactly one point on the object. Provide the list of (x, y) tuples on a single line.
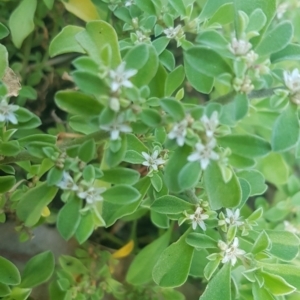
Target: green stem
[(192, 197), (25, 155), (253, 95)]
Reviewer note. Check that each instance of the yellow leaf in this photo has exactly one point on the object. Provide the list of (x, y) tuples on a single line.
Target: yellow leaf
[(46, 212), (124, 251), (84, 10)]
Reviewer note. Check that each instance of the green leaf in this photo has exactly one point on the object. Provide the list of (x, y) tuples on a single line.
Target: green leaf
[(174, 165), (276, 284), (290, 52), (54, 176), (134, 143), (179, 6), (210, 8), (160, 134), (173, 266), (189, 175), (257, 20), (9, 274), (245, 145), (112, 212), (11, 148), (90, 83), (217, 189), (171, 205), (4, 32), (174, 80), (274, 168), (220, 286), (87, 150), (78, 103), (69, 217), (285, 245), (21, 21), (157, 182), (260, 293), (3, 60), (224, 15), (121, 176), (146, 6), (147, 70), (173, 107), (276, 39), (38, 270), (65, 41), (114, 158), (140, 270), (6, 183), (256, 181), (150, 117), (200, 240), (72, 265), (261, 243), (287, 122), (269, 7), (206, 61), (198, 80), (121, 194), (159, 220), (4, 290), (32, 203), (97, 36), (289, 272), (246, 189), (85, 227)]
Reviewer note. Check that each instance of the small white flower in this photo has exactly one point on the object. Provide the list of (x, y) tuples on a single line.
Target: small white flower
[(250, 58), (141, 37), (116, 127), (239, 47), (67, 182), (120, 77), (152, 161), (231, 251), (204, 153), (292, 80), (232, 217), (128, 3), (281, 9), (210, 125), (172, 32), (91, 194), (290, 227), (198, 218), (7, 112), (179, 132)]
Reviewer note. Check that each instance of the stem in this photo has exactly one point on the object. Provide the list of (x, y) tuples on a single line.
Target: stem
[(25, 155), (253, 95), (192, 197)]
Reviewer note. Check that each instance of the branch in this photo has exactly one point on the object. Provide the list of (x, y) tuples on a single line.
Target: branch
[(253, 95), (25, 155)]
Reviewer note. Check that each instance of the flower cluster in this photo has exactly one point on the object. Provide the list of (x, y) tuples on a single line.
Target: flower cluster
[(83, 190), (204, 152)]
